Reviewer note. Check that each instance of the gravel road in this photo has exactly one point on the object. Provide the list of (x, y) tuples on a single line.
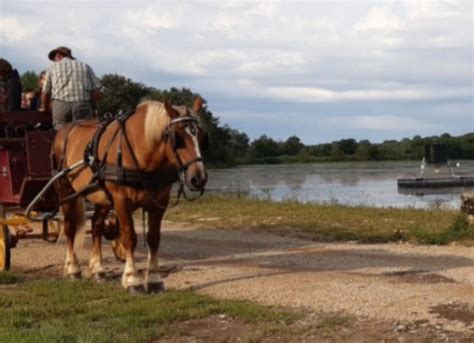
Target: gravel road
[(397, 283)]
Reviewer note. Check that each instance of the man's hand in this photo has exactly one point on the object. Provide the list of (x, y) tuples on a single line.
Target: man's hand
[(45, 102)]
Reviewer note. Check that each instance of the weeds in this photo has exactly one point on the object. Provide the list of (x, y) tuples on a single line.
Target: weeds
[(8, 278), (458, 230), (327, 221)]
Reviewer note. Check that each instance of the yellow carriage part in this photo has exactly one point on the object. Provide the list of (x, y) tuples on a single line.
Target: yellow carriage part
[(4, 248), (15, 220)]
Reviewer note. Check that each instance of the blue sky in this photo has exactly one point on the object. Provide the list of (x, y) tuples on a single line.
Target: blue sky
[(321, 70)]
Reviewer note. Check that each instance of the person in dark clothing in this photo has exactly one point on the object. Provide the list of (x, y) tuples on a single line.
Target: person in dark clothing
[(11, 98)]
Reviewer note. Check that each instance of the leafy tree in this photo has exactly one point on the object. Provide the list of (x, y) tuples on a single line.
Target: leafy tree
[(120, 93), (265, 146), (292, 146), (238, 143), (29, 81), (362, 152), (336, 153), (348, 146)]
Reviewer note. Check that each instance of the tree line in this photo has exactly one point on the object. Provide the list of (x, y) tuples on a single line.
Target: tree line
[(230, 147)]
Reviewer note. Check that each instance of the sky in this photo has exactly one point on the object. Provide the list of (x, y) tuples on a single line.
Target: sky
[(320, 70)]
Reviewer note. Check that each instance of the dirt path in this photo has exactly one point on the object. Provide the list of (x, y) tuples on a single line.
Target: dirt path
[(407, 286)]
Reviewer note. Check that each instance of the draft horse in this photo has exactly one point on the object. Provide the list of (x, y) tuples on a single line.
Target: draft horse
[(130, 162)]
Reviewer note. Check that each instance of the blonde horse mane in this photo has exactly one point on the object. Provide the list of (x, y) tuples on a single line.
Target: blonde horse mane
[(156, 120)]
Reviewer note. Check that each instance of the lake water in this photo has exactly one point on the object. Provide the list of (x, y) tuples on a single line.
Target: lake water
[(349, 183)]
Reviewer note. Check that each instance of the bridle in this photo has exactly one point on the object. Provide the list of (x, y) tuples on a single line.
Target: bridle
[(170, 136)]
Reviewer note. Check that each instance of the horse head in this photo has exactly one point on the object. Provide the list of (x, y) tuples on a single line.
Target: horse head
[(185, 139)]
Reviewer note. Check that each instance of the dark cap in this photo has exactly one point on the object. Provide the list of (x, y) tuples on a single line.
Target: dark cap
[(63, 50)]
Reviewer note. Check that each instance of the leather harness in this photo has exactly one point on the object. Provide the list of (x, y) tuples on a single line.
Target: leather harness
[(137, 178)]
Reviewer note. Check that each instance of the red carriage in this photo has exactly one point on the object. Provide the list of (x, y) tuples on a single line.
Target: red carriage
[(25, 144)]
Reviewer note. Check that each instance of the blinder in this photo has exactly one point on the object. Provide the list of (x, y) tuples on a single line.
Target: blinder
[(176, 140)]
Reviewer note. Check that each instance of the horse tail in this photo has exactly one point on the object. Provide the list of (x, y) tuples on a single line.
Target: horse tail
[(80, 222)]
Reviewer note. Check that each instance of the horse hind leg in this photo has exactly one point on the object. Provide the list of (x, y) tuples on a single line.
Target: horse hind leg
[(153, 281), (95, 264), (73, 223)]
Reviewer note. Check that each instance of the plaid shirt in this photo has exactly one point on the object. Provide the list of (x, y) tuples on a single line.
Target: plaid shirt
[(70, 80)]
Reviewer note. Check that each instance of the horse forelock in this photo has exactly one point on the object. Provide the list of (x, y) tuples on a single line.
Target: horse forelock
[(156, 120)]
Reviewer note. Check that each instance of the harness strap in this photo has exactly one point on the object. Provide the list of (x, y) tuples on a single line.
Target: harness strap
[(116, 173)]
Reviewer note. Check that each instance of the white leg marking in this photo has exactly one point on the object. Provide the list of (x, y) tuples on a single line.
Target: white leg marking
[(153, 270), (130, 276), (72, 265), (95, 264)]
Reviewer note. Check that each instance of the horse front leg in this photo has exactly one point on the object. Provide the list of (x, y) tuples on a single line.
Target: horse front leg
[(72, 219), (153, 282), (98, 222), (131, 280)]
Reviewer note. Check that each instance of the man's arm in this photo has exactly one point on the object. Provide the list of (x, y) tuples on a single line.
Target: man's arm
[(46, 94), (95, 85), (45, 102)]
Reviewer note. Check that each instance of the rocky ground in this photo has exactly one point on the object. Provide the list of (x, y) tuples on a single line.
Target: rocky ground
[(386, 292)]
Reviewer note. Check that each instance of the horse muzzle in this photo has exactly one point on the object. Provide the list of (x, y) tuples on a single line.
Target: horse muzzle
[(196, 179)]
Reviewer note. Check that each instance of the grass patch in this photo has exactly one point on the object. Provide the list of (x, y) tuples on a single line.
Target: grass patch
[(64, 311), (8, 278), (459, 230), (327, 221)]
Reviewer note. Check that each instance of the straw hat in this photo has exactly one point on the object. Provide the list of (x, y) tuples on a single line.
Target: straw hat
[(63, 50)]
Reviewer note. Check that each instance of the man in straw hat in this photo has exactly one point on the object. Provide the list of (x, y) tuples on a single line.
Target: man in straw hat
[(71, 88)]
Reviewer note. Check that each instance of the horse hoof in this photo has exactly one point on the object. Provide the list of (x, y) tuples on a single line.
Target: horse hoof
[(99, 277), (75, 276), (157, 287), (135, 290)]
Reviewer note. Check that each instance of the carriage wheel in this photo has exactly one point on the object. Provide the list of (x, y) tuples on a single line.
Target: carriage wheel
[(4, 248), (118, 249)]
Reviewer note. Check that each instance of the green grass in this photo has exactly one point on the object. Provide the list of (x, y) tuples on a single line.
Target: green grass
[(8, 278), (327, 222), (459, 230), (66, 311)]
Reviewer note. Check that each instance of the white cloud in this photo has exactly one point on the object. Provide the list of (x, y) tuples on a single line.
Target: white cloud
[(383, 122), (379, 19), (13, 29), (314, 94), (438, 9), (151, 18)]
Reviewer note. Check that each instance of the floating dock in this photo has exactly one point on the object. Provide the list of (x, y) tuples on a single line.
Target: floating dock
[(436, 182)]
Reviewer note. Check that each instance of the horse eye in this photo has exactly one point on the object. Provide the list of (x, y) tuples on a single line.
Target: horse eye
[(193, 130)]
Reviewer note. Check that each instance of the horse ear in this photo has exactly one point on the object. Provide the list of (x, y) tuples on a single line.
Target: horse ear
[(197, 104), (170, 110)]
